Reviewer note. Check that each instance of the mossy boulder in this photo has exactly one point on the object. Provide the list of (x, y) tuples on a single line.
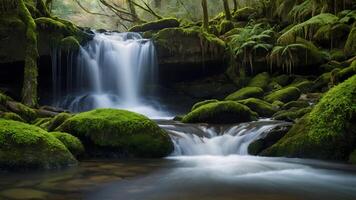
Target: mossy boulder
[(246, 92), (226, 26), (328, 132), (197, 105), (352, 158), (118, 133), (284, 95), (304, 86), (346, 72), (322, 82), (244, 14), (263, 108), (268, 139), (282, 80), (24, 146), (350, 46), (295, 104), (224, 112), (70, 43), (291, 114), (156, 25), (11, 116), (260, 80), (73, 144)]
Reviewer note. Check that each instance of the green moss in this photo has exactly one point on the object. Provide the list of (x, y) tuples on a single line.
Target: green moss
[(225, 26), (284, 95), (278, 104), (282, 80), (292, 114), (243, 14), (70, 44), (24, 146), (223, 112), (304, 86), (346, 72), (197, 105), (328, 132), (73, 144), (352, 158), (322, 81), (350, 46), (11, 116), (338, 55), (260, 80), (42, 122), (156, 25), (295, 104), (4, 98), (120, 132), (57, 121), (244, 93), (263, 108), (308, 28), (24, 111)]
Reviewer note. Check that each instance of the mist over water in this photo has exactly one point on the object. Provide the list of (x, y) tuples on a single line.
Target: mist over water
[(114, 70)]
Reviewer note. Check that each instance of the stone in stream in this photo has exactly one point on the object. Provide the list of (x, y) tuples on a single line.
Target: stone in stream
[(112, 132)]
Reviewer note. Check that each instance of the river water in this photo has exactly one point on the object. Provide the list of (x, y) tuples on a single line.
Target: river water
[(209, 162)]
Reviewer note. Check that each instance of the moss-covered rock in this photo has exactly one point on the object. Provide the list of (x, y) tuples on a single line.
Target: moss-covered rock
[(291, 114), (197, 105), (11, 116), (323, 81), (226, 26), (268, 139), (350, 46), (244, 14), (328, 132), (246, 92), (260, 80), (295, 104), (346, 72), (185, 52), (73, 144), (156, 25), (263, 108), (24, 146), (70, 43), (352, 158), (284, 95), (42, 122), (278, 104), (304, 86), (223, 112), (282, 80), (118, 132)]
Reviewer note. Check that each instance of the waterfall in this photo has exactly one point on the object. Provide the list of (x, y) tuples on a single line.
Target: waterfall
[(203, 139), (114, 70)]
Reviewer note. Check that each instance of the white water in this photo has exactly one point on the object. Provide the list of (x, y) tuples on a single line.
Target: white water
[(218, 141), (114, 70), (211, 163)]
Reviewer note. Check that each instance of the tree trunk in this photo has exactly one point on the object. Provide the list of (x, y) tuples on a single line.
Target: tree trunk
[(236, 5), (29, 89), (227, 10), (204, 5)]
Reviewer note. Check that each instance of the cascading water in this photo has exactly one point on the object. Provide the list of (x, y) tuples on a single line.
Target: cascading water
[(114, 70), (215, 140)]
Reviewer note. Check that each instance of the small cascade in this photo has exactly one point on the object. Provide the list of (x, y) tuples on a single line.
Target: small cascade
[(114, 70), (202, 139)]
